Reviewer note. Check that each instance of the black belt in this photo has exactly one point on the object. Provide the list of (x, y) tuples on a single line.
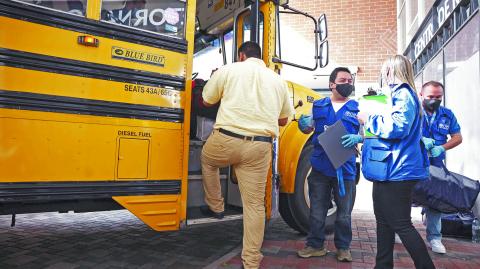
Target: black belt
[(249, 138)]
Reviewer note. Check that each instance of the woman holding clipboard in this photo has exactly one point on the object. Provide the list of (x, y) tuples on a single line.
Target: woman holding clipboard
[(394, 160)]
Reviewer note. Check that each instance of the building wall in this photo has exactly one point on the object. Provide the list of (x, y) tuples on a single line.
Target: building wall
[(445, 46), (361, 32)]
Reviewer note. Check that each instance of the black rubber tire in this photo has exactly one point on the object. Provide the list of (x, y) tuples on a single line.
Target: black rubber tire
[(293, 207)]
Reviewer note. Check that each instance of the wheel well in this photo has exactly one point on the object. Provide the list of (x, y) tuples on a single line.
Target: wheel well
[(292, 144)]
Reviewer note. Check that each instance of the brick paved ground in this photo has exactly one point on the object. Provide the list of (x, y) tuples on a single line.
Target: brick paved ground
[(114, 239), (118, 240), (281, 244)]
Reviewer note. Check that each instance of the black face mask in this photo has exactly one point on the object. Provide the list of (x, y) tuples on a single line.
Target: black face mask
[(431, 105), (345, 89)]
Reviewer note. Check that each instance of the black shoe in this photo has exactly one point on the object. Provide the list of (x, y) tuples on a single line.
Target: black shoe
[(208, 212)]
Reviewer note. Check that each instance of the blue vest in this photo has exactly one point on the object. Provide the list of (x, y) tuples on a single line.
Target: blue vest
[(324, 116), (443, 124), (396, 154)]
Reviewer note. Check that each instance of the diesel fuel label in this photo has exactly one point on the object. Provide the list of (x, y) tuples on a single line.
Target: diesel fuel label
[(138, 56), (134, 133)]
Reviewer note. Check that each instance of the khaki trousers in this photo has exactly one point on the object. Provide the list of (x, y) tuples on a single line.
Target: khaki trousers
[(251, 161)]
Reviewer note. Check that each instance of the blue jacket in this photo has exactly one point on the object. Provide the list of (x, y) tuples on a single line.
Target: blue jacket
[(444, 123), (396, 154), (324, 116)]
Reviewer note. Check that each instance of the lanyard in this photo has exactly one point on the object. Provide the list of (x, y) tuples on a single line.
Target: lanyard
[(430, 122), (341, 184)]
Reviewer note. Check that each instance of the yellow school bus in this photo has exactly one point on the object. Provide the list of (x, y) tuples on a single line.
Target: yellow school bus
[(95, 106)]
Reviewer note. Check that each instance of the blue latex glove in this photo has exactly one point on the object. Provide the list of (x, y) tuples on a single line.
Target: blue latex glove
[(351, 140), (428, 142), (305, 123), (437, 151)]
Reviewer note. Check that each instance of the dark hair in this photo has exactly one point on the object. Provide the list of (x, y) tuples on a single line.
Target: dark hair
[(335, 71), (433, 83), (250, 49)]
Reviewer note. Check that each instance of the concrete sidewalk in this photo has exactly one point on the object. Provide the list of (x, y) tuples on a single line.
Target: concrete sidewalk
[(282, 243)]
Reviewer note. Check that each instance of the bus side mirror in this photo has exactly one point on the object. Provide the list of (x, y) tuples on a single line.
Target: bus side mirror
[(323, 55), (322, 28)]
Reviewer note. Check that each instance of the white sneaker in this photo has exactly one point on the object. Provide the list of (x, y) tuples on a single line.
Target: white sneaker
[(397, 239), (437, 246)]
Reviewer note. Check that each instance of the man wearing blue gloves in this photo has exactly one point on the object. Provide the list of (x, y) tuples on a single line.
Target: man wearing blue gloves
[(324, 179), (438, 123)]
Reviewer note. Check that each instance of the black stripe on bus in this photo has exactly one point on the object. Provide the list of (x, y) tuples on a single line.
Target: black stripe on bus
[(72, 105), (79, 24), (78, 190), (33, 61)]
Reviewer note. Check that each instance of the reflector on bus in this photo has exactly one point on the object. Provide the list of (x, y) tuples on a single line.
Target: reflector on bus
[(88, 41)]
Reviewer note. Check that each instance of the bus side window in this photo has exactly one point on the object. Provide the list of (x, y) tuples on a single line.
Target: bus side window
[(246, 29), (243, 28), (159, 16), (228, 37), (76, 7), (208, 59)]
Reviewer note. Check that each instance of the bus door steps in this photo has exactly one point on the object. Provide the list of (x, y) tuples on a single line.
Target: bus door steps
[(191, 222), (160, 212), (195, 217)]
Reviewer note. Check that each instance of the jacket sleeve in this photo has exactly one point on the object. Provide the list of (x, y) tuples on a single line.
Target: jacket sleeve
[(397, 122), (454, 126)]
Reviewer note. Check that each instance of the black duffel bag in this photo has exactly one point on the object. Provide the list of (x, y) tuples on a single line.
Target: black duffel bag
[(197, 101), (197, 106), (457, 225), (446, 191)]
